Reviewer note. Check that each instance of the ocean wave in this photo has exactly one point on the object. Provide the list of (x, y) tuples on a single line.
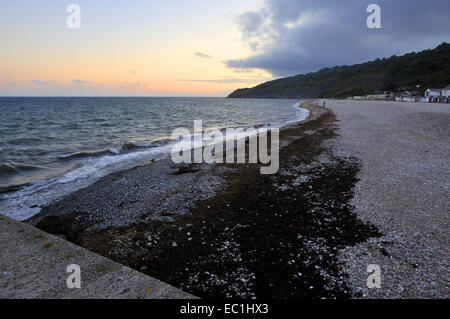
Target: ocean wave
[(6, 169), (9, 169), (12, 188), (24, 141), (86, 154), (92, 165), (125, 148), (164, 142)]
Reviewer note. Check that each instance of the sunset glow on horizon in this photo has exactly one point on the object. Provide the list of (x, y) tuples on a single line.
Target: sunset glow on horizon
[(197, 47), (142, 48)]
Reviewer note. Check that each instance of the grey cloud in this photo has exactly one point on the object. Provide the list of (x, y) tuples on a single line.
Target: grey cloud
[(76, 81), (230, 80), (298, 36), (202, 55), (128, 85), (40, 82), (244, 70)]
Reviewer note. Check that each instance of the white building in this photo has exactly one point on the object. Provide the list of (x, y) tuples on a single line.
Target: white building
[(433, 92), (446, 92)]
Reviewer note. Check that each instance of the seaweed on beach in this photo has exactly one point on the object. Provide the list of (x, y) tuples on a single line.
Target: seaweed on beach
[(262, 236)]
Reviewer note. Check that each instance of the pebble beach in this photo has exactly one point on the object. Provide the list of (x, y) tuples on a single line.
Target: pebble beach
[(360, 183)]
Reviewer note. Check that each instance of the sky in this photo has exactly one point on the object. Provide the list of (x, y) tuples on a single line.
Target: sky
[(198, 47)]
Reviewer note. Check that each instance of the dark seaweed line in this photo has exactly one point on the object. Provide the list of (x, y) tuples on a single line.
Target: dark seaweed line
[(261, 236)]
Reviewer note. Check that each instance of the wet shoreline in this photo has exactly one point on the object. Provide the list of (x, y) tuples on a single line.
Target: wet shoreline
[(226, 230)]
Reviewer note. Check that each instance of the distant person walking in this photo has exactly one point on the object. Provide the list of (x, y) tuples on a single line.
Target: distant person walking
[(324, 104)]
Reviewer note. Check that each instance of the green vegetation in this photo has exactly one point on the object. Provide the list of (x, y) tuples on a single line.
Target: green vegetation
[(48, 245), (429, 69)]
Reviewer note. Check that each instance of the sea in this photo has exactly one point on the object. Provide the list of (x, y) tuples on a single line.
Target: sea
[(52, 146)]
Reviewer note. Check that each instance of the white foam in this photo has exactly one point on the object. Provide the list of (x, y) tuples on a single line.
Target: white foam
[(27, 201), (21, 204)]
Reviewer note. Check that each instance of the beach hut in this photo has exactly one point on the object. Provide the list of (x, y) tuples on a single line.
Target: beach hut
[(433, 93), (446, 92)]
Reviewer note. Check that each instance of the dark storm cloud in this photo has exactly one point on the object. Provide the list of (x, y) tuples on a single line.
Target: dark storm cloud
[(298, 36)]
